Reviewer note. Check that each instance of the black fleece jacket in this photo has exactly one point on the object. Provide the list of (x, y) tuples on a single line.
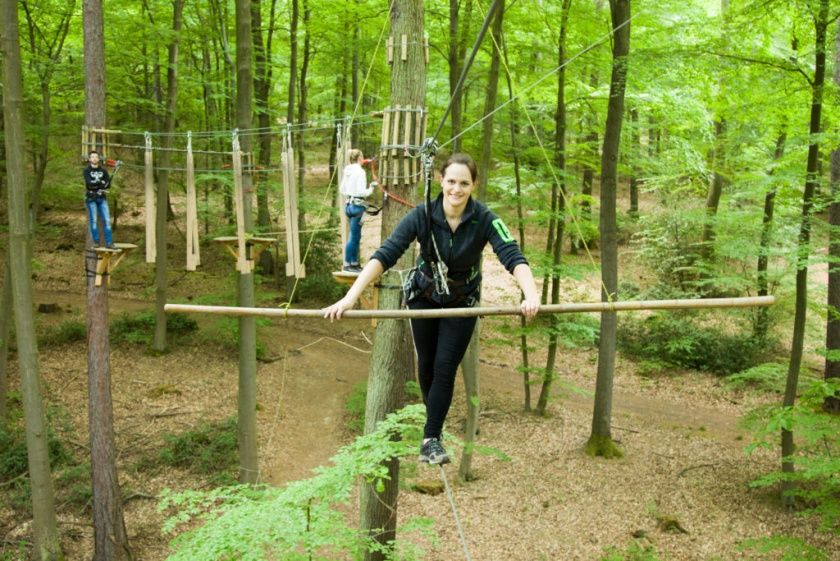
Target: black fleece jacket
[(96, 178), (460, 250)]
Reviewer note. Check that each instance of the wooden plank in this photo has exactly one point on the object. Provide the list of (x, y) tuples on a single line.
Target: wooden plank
[(384, 168), (395, 131), (406, 158), (404, 47), (150, 203)]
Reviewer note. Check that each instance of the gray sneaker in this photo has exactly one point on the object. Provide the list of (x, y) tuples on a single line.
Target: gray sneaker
[(432, 452)]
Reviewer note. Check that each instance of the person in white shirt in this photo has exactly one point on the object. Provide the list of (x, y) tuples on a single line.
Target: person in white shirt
[(355, 189)]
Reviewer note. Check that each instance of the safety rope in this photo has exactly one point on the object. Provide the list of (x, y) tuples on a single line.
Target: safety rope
[(455, 513)]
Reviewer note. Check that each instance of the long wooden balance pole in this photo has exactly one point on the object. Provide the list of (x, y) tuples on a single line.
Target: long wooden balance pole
[(628, 305)]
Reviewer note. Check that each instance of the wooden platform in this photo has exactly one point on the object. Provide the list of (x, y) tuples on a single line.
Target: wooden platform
[(107, 259), (254, 245), (367, 302)]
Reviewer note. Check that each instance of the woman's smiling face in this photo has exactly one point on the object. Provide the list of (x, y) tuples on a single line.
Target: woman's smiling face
[(457, 186)]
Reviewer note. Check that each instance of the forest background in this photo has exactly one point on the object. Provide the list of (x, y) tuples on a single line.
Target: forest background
[(729, 180)]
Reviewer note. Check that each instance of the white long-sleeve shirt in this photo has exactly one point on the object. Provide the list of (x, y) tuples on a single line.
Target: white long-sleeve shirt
[(354, 182)]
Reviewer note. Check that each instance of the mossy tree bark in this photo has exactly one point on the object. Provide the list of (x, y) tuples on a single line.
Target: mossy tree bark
[(804, 243), (247, 401), (832, 336), (600, 442), (46, 545), (392, 359), (558, 204), (110, 537)]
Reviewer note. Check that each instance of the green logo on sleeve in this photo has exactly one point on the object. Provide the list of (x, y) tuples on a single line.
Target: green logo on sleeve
[(503, 231)]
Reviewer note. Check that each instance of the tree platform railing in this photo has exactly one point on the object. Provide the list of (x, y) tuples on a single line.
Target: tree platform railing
[(582, 307)]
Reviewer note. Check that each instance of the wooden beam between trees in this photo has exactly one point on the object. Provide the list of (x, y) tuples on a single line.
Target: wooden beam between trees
[(623, 306)]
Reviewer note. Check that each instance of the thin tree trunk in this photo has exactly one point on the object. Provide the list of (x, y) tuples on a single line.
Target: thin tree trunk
[(762, 319), (110, 537), (262, 89), (634, 179), (719, 180), (558, 192), (300, 145), (46, 545), (804, 245), (248, 453), (454, 72), (162, 218), (832, 335), (520, 224), (392, 359), (600, 441), (5, 331)]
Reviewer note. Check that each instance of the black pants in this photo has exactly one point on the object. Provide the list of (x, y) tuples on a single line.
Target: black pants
[(441, 344)]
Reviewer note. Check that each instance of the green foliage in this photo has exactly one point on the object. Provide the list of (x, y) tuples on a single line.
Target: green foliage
[(306, 519), (224, 333), (768, 376), (14, 460), (634, 552), (785, 549), (139, 328), (210, 449), (66, 332), (321, 259), (817, 458), (679, 340)]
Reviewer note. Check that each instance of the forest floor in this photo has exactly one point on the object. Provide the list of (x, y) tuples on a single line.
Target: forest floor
[(682, 487)]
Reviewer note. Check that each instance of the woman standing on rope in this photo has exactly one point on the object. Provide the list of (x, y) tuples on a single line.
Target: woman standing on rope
[(355, 188), (461, 227)]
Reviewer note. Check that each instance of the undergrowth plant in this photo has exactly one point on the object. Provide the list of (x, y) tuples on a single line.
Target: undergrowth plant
[(815, 483), (303, 521)]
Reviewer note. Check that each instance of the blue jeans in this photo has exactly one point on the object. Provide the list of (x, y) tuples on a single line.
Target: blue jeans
[(100, 205), (351, 252)]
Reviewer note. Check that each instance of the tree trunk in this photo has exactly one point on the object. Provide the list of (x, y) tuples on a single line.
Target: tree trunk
[(392, 359), (832, 335), (293, 49), (300, 145), (719, 180), (600, 441), (5, 331), (248, 453), (44, 527), (634, 172), (454, 71), (262, 89), (162, 218), (804, 245), (110, 538), (558, 192), (762, 318)]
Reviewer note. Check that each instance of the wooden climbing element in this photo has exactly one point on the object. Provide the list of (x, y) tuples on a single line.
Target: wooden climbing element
[(97, 139), (150, 203), (107, 260), (294, 263), (403, 130), (243, 265), (193, 252), (370, 302), (250, 249)]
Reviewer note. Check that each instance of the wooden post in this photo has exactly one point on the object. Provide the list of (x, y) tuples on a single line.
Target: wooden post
[(294, 267), (342, 149), (151, 208), (193, 251), (242, 263)]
